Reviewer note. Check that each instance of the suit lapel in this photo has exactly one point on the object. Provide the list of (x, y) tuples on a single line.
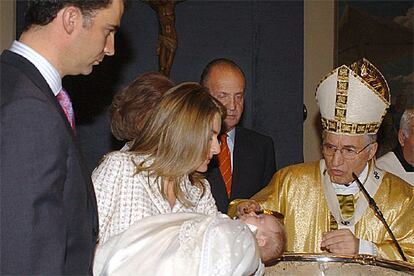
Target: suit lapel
[(218, 188), (30, 71), (237, 156), (241, 152)]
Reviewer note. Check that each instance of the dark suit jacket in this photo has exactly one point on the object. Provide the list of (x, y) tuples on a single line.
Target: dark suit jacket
[(48, 206), (253, 167)]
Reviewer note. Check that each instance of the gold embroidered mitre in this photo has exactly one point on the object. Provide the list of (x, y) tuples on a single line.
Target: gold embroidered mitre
[(353, 100)]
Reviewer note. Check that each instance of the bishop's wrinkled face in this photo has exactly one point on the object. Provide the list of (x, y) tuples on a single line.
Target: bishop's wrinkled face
[(345, 154)]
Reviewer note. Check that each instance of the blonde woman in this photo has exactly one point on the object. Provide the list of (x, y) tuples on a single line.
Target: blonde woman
[(163, 170)]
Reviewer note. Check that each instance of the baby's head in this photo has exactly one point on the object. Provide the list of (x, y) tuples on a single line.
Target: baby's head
[(270, 235)]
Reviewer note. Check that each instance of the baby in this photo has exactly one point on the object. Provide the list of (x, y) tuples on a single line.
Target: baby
[(193, 244), (270, 233)]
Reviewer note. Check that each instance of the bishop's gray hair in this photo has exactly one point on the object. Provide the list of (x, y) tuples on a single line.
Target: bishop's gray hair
[(369, 138), (406, 120)]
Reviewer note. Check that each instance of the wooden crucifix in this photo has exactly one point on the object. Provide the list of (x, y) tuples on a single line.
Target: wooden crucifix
[(167, 35)]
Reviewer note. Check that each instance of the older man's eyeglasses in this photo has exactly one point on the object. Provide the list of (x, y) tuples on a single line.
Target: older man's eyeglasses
[(347, 152)]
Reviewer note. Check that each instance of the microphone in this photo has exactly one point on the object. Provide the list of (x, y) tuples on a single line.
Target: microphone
[(378, 212)]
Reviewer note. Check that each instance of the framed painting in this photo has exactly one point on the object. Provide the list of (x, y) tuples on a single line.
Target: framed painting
[(382, 32)]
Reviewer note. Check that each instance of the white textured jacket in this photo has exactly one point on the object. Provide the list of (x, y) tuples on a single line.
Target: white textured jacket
[(124, 196)]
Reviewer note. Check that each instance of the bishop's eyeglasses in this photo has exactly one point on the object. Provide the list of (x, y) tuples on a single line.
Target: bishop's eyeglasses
[(347, 152)]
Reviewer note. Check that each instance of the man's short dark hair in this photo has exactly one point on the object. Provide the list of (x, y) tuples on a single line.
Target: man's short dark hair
[(218, 61), (42, 12)]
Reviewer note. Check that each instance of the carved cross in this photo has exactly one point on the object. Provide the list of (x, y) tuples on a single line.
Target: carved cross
[(167, 36)]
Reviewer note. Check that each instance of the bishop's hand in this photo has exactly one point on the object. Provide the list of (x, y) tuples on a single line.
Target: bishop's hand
[(247, 206), (340, 241)]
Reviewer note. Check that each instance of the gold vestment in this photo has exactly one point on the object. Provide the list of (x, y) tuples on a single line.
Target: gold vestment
[(296, 191)]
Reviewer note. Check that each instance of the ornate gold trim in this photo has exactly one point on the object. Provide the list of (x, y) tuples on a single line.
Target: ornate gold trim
[(371, 77), (342, 84), (349, 128), (374, 81)]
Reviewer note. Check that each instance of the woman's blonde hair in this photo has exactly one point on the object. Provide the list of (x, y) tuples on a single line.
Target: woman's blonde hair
[(177, 136)]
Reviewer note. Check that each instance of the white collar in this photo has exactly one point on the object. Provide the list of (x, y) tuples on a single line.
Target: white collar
[(232, 134), (341, 189), (371, 184), (46, 69)]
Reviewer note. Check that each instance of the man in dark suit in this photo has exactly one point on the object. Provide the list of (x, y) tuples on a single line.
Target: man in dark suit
[(48, 206), (251, 158)]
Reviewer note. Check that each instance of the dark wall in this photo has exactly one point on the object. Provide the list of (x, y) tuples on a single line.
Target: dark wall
[(264, 37)]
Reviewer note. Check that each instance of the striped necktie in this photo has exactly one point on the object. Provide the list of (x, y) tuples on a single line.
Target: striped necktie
[(64, 101), (225, 163)]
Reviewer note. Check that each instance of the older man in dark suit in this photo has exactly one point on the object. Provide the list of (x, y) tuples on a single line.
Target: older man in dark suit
[(48, 206), (246, 162)]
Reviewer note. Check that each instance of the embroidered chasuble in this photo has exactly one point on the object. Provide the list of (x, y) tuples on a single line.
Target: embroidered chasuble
[(347, 205), (297, 192)]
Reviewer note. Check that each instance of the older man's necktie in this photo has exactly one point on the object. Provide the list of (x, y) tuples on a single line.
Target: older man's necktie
[(225, 163), (64, 101), (347, 205)]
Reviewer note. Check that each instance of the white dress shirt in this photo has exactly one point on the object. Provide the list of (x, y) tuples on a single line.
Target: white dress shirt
[(47, 70), (230, 143)]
